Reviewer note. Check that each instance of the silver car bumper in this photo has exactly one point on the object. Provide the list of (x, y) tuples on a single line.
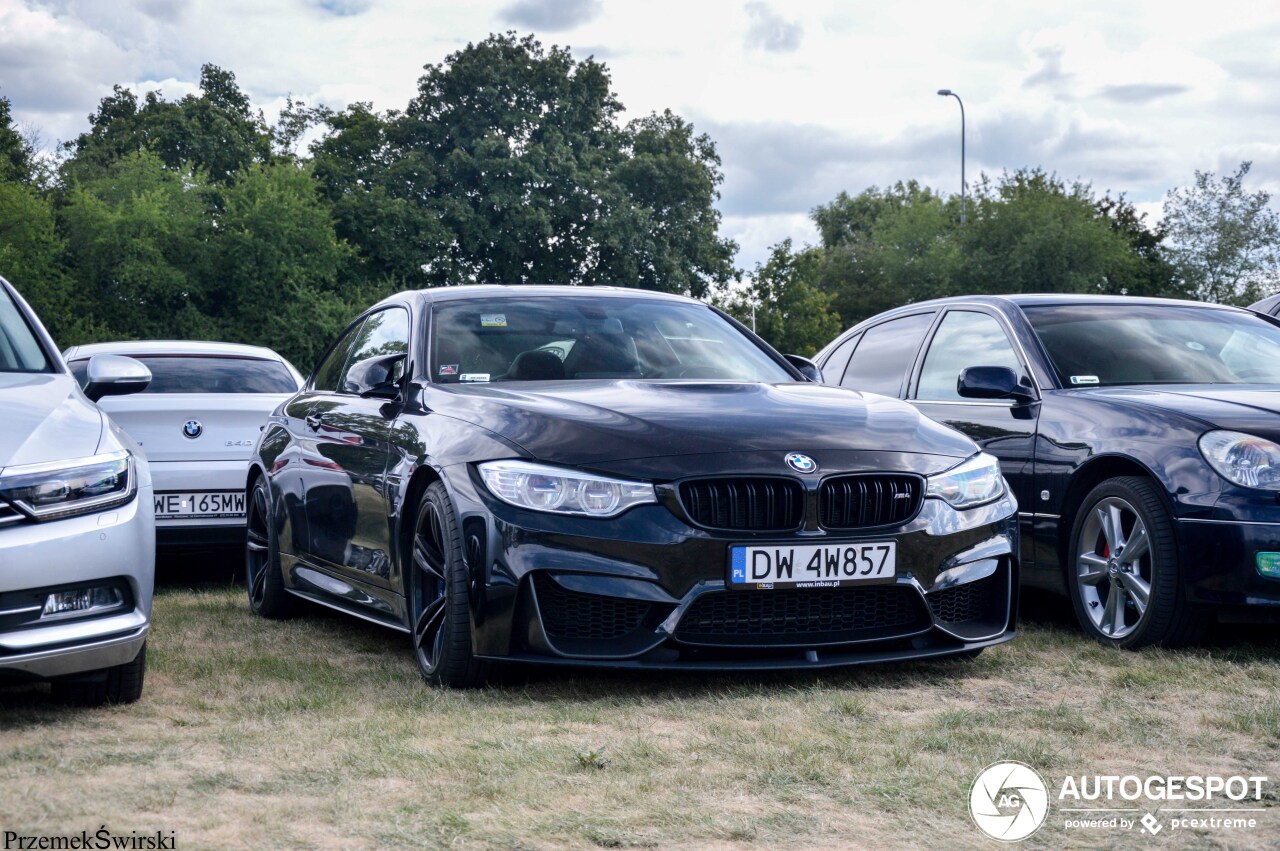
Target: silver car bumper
[(119, 543)]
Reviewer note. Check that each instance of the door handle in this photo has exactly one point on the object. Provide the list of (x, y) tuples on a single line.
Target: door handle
[(314, 421)]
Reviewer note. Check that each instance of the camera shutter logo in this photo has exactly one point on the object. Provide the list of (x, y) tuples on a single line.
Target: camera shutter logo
[(1009, 801), (192, 429)]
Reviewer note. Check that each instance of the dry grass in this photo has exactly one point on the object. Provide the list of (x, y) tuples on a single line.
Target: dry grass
[(318, 733)]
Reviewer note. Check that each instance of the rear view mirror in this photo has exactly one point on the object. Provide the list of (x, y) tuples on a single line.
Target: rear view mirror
[(807, 368), (375, 377), (115, 375), (992, 382)]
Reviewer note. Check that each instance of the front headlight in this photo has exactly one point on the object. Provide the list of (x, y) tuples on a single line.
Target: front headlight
[(1245, 460), (560, 491), (66, 488), (974, 482)]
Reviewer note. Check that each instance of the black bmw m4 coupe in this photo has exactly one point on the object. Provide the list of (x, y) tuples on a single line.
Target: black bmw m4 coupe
[(611, 477)]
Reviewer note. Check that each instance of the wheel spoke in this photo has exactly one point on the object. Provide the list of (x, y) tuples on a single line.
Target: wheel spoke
[(429, 622), (1138, 544), (1091, 568), (257, 541), (1113, 617), (1137, 590), (259, 582), (428, 561), (1104, 523)]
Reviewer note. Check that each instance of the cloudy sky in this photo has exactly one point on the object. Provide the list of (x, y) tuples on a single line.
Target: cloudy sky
[(804, 98)]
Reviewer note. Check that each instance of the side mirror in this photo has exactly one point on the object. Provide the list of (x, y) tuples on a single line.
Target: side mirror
[(807, 368), (376, 377), (992, 382), (115, 375)]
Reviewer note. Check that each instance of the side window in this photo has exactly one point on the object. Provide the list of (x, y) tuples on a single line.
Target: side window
[(965, 338), (835, 365), (886, 352), (383, 333), (330, 371)]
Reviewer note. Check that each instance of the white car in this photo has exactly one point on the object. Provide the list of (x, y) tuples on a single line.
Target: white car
[(77, 541), (197, 422)]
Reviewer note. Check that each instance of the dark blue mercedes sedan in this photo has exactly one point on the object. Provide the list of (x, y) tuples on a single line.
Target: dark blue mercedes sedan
[(1141, 438)]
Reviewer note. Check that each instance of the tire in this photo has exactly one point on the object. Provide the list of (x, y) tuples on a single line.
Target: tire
[(120, 684), (1126, 585), (439, 602), (263, 577)]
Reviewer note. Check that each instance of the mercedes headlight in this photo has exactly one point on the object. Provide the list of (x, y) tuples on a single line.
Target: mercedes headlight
[(972, 483), (60, 489), (542, 488), (1243, 459)]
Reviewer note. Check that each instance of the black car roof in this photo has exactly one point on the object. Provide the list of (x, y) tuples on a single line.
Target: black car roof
[(1031, 299), (475, 291)]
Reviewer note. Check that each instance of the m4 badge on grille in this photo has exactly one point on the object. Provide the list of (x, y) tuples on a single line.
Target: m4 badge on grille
[(801, 463)]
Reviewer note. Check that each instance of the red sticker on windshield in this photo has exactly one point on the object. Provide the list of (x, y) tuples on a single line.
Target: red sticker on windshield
[(448, 369)]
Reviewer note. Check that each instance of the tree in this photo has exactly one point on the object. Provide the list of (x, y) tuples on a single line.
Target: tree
[(16, 154), (214, 132), (784, 305), (1224, 242), (1150, 273), (510, 166)]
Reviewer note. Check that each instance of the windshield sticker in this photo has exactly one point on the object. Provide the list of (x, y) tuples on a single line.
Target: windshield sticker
[(493, 320), (474, 376), (448, 369), (1194, 346), (1075, 379)]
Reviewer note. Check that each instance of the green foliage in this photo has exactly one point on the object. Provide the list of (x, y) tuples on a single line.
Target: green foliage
[(1225, 242), (214, 132), (16, 155), (509, 166), (784, 305)]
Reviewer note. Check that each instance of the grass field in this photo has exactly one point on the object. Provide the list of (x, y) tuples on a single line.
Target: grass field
[(318, 733)]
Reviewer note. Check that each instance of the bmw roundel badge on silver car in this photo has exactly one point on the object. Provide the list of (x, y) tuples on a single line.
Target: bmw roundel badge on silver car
[(604, 477)]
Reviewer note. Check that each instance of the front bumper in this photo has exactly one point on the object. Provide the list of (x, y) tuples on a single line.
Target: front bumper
[(116, 545), (647, 590), (1220, 560)]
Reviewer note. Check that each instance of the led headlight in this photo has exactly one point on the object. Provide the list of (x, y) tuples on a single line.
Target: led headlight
[(974, 482), (66, 488), (561, 491), (1245, 460)]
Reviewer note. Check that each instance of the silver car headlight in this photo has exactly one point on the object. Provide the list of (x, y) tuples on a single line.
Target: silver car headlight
[(60, 489), (970, 484), (561, 491), (1243, 459)]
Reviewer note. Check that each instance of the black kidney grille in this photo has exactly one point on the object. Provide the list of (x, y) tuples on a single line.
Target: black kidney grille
[(859, 502), (802, 616), (973, 601), (572, 614), (761, 504)]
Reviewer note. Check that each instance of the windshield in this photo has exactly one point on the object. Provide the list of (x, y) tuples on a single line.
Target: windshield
[(1104, 345), (19, 349), (585, 337), (205, 374)]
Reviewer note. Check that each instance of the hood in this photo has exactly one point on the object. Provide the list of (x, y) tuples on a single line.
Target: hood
[(45, 419), (582, 422), (1252, 408)]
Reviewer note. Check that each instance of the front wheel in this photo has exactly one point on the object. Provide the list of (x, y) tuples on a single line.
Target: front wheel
[(439, 599), (120, 684), (1124, 574), (262, 575)]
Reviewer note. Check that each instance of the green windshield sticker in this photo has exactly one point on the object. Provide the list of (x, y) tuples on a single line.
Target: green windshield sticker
[(493, 320)]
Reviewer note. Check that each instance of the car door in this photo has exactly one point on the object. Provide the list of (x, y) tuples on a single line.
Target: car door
[(346, 499), (967, 337)]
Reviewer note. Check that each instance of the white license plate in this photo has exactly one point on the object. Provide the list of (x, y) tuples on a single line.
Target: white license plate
[(812, 565), (177, 504)]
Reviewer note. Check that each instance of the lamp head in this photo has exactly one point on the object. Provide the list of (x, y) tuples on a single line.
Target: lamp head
[(944, 92)]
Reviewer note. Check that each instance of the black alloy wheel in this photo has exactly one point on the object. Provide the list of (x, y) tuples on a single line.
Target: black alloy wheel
[(440, 610), (262, 576)]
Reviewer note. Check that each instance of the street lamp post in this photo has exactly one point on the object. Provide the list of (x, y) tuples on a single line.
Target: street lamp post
[(949, 93)]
